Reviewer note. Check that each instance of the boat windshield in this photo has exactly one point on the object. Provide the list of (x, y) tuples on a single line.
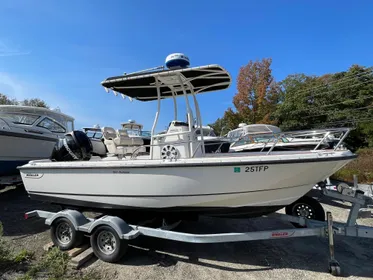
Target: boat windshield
[(94, 134), (17, 118), (70, 125), (133, 132), (137, 132), (51, 125), (235, 134), (146, 133), (206, 132), (251, 139)]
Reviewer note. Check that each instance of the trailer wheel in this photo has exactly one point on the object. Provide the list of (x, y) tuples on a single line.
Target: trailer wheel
[(64, 235), (306, 207), (107, 245), (334, 268)]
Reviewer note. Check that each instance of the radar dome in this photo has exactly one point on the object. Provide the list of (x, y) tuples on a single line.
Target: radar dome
[(242, 125), (177, 61)]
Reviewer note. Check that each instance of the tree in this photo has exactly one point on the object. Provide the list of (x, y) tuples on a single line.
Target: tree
[(299, 95), (258, 93), (332, 100), (36, 102), (5, 100), (256, 99), (229, 121)]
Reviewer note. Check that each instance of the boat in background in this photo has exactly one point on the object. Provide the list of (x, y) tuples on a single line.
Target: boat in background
[(134, 129), (213, 143), (261, 137), (96, 136), (28, 133)]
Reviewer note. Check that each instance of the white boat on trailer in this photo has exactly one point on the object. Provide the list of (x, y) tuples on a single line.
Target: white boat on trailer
[(178, 177)]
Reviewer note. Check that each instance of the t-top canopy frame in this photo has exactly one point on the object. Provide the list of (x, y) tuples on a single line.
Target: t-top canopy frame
[(157, 85), (143, 87)]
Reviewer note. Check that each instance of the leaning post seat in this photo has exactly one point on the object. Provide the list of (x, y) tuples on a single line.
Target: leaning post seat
[(119, 143), (109, 135)]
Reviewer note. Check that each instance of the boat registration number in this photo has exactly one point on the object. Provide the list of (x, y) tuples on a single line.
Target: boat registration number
[(252, 168), (260, 168)]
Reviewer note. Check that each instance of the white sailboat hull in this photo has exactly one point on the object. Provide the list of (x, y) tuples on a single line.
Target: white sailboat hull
[(192, 184)]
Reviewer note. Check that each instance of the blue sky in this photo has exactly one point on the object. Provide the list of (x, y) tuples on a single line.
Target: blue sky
[(60, 51)]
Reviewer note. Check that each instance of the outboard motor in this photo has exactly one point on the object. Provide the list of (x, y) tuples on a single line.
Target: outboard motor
[(75, 146)]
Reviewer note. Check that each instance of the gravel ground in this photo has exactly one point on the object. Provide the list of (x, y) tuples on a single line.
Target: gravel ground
[(148, 258)]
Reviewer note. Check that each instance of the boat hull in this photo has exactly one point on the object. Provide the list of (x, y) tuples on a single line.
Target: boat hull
[(212, 187), (17, 149)]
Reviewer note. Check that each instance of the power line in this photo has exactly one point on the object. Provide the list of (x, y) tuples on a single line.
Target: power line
[(345, 101), (339, 89), (367, 72), (343, 122), (342, 111)]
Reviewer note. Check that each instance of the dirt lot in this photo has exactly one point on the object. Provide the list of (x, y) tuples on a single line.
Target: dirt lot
[(147, 258)]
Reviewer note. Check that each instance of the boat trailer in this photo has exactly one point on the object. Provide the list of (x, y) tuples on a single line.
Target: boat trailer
[(109, 235)]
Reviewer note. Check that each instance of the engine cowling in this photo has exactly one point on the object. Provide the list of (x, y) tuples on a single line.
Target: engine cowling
[(76, 145)]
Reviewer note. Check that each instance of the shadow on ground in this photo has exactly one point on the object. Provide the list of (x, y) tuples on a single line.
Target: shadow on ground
[(14, 203)]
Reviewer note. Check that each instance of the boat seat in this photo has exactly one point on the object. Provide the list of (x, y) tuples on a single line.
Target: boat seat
[(118, 142), (109, 133), (124, 139)]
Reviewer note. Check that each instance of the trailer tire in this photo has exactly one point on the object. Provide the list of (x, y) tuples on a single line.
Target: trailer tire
[(107, 245), (64, 235), (306, 207)]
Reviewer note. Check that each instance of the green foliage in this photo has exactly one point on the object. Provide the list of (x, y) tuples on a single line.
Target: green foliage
[(23, 256), (53, 265), (7, 258), (5, 253), (5, 100), (229, 121), (256, 99), (35, 102), (332, 100), (343, 99), (362, 167)]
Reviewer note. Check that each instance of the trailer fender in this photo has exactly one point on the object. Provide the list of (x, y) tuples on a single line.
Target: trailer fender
[(76, 218), (124, 230)]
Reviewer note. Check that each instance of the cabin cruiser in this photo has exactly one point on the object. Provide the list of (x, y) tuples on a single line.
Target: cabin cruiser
[(213, 143), (261, 137), (178, 177), (29, 133)]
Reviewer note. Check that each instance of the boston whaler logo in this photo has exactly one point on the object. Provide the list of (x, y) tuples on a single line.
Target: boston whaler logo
[(120, 172), (34, 175), (254, 168)]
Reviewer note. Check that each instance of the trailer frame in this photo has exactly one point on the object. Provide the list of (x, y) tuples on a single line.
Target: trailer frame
[(117, 228)]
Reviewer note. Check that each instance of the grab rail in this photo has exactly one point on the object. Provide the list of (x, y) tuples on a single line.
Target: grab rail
[(275, 137), (271, 142)]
